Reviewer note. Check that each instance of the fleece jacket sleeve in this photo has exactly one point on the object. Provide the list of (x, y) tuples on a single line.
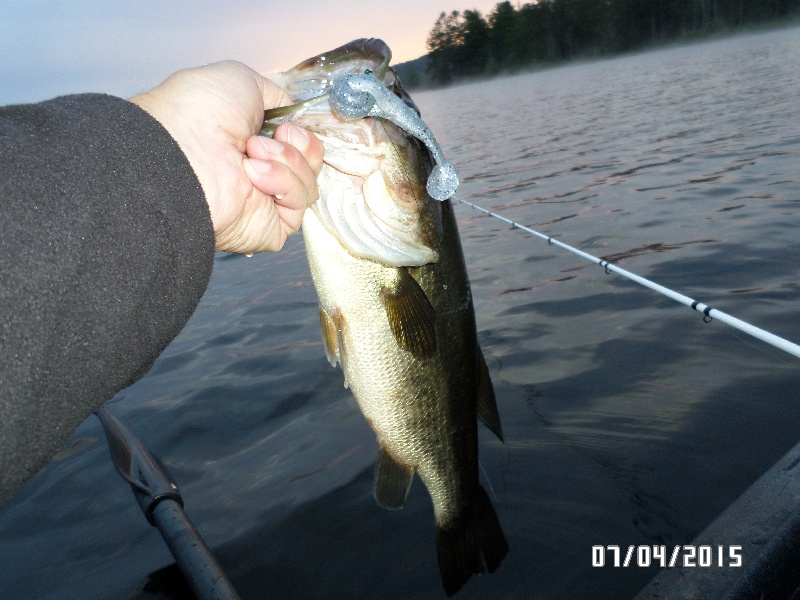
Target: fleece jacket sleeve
[(106, 247)]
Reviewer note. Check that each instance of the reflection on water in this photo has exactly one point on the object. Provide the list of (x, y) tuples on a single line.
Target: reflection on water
[(628, 420)]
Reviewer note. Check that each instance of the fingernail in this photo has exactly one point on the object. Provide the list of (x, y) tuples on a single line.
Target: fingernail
[(271, 146), (297, 136), (261, 166)]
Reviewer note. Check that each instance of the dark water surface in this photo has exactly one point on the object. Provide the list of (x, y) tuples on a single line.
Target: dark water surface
[(627, 419)]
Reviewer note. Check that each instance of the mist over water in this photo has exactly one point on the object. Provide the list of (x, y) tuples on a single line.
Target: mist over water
[(627, 419)]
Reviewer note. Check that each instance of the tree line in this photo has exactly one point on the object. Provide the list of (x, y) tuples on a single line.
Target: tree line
[(467, 44)]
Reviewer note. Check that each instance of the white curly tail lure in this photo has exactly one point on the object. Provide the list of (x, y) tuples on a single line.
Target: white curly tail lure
[(362, 95)]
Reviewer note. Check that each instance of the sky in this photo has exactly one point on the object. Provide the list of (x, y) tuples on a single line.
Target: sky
[(122, 47)]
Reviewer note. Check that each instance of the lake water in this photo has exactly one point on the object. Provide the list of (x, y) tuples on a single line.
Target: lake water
[(627, 419)]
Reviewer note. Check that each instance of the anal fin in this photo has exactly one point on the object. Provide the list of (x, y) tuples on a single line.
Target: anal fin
[(411, 316), (392, 480), (487, 403)]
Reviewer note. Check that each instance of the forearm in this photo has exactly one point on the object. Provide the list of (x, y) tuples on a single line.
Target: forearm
[(106, 247)]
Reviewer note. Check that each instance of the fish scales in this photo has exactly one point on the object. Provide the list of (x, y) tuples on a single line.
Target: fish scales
[(396, 309)]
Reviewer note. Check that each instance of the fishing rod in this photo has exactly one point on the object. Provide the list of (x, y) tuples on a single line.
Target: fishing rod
[(162, 504), (356, 96), (708, 312)]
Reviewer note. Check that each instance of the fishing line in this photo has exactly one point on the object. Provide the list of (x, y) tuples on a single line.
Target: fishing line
[(708, 312), (765, 351), (488, 481)]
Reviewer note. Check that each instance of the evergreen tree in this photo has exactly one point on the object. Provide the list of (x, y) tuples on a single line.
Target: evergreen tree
[(467, 44), (442, 46), (473, 52), (501, 34)]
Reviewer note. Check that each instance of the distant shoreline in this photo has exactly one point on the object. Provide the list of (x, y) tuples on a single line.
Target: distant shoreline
[(414, 77)]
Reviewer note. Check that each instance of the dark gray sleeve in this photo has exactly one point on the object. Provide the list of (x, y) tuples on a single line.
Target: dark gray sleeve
[(106, 247)]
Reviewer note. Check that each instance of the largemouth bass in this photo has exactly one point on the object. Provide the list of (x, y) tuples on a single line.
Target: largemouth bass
[(396, 308)]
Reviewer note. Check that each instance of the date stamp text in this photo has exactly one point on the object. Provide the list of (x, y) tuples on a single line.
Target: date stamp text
[(663, 556)]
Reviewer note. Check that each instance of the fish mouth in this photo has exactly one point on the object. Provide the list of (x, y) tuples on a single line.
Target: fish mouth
[(310, 83), (340, 81), (372, 186)]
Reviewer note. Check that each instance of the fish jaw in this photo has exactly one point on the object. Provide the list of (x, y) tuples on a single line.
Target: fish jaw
[(316, 75)]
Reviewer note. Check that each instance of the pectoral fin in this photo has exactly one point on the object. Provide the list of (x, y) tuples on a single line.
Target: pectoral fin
[(392, 480), (333, 339), (487, 404), (411, 316)]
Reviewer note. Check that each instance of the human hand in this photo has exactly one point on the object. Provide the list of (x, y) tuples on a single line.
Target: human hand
[(257, 188)]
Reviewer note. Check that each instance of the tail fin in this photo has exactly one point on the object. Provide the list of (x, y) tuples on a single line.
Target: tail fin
[(477, 546)]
